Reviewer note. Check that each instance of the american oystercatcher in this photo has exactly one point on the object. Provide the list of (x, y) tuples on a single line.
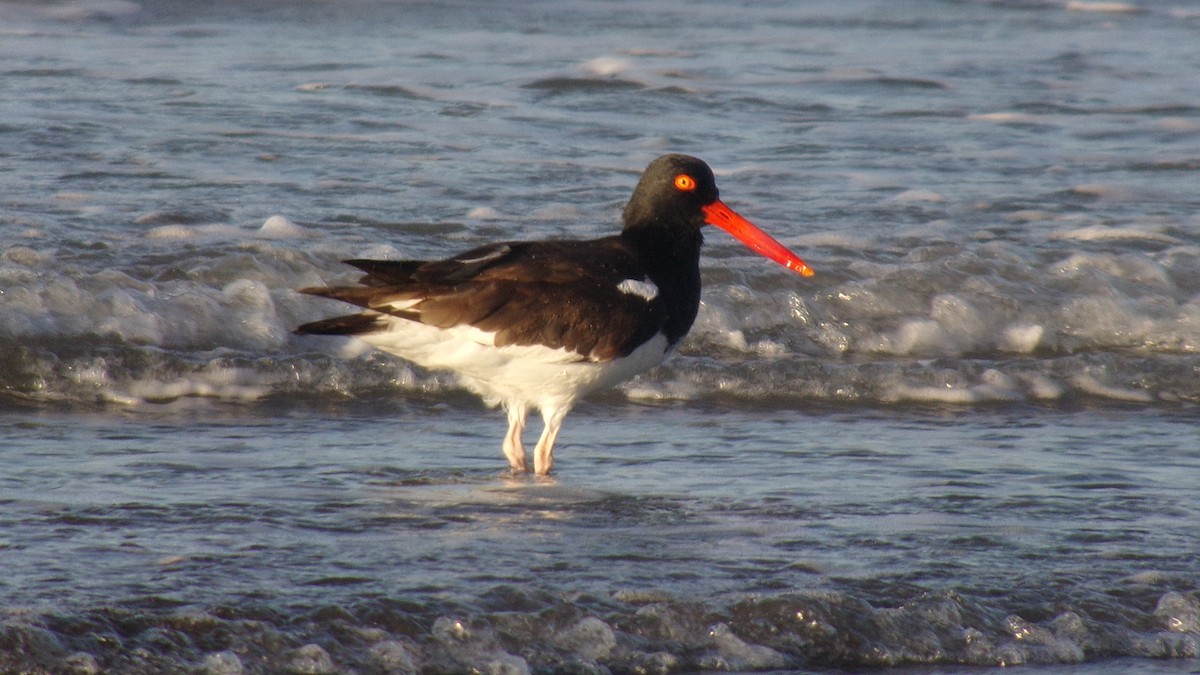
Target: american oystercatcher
[(542, 323)]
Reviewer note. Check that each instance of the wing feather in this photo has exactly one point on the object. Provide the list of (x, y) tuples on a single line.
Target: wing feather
[(557, 294)]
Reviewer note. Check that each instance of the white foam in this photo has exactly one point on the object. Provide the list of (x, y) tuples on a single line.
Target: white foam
[(279, 227), (992, 385), (644, 389), (1150, 577), (590, 639), (217, 230), (485, 213), (1021, 338), (738, 655), (1141, 269), (1041, 387), (1007, 117), (275, 227), (1106, 191), (931, 394), (960, 318), (126, 314), (249, 315), (218, 382), (1026, 215), (1090, 385), (24, 256), (1180, 613), (952, 325), (1104, 7), (1101, 321), (172, 232), (858, 335), (834, 337), (310, 658), (917, 336), (353, 348), (770, 349), (1110, 233), (607, 66), (722, 327), (223, 663)]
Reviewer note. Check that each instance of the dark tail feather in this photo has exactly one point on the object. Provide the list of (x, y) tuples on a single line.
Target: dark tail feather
[(355, 295), (386, 272), (354, 324), (372, 291)]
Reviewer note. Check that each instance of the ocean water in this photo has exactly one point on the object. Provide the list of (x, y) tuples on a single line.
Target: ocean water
[(971, 440)]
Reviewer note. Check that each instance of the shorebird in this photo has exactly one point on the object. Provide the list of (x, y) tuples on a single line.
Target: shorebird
[(541, 323)]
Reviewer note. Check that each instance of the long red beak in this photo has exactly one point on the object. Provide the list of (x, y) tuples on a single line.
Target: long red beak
[(717, 213)]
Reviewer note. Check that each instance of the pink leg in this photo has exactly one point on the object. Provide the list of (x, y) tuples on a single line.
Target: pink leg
[(513, 449), (543, 453)]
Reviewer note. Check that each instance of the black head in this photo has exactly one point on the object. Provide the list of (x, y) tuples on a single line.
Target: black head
[(671, 192)]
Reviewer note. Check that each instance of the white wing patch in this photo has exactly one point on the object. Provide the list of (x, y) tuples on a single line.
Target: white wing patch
[(643, 289), (494, 254), (398, 305)]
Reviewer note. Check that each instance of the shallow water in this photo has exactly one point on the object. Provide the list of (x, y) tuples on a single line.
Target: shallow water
[(728, 540), (969, 440)]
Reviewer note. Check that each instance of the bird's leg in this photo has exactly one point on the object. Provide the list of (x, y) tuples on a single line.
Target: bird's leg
[(513, 449), (543, 453)]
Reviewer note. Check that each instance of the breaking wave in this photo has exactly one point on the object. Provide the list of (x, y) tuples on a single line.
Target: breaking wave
[(946, 324)]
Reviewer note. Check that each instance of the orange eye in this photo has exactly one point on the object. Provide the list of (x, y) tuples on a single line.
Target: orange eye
[(685, 182)]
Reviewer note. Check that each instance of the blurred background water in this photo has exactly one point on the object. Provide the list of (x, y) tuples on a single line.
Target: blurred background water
[(969, 440)]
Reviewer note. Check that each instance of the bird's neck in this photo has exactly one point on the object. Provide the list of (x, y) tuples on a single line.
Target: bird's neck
[(665, 244), (671, 256)]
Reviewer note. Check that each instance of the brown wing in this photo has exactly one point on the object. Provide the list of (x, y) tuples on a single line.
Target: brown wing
[(558, 294)]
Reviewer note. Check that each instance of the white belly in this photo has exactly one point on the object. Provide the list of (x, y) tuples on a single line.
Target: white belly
[(527, 375)]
